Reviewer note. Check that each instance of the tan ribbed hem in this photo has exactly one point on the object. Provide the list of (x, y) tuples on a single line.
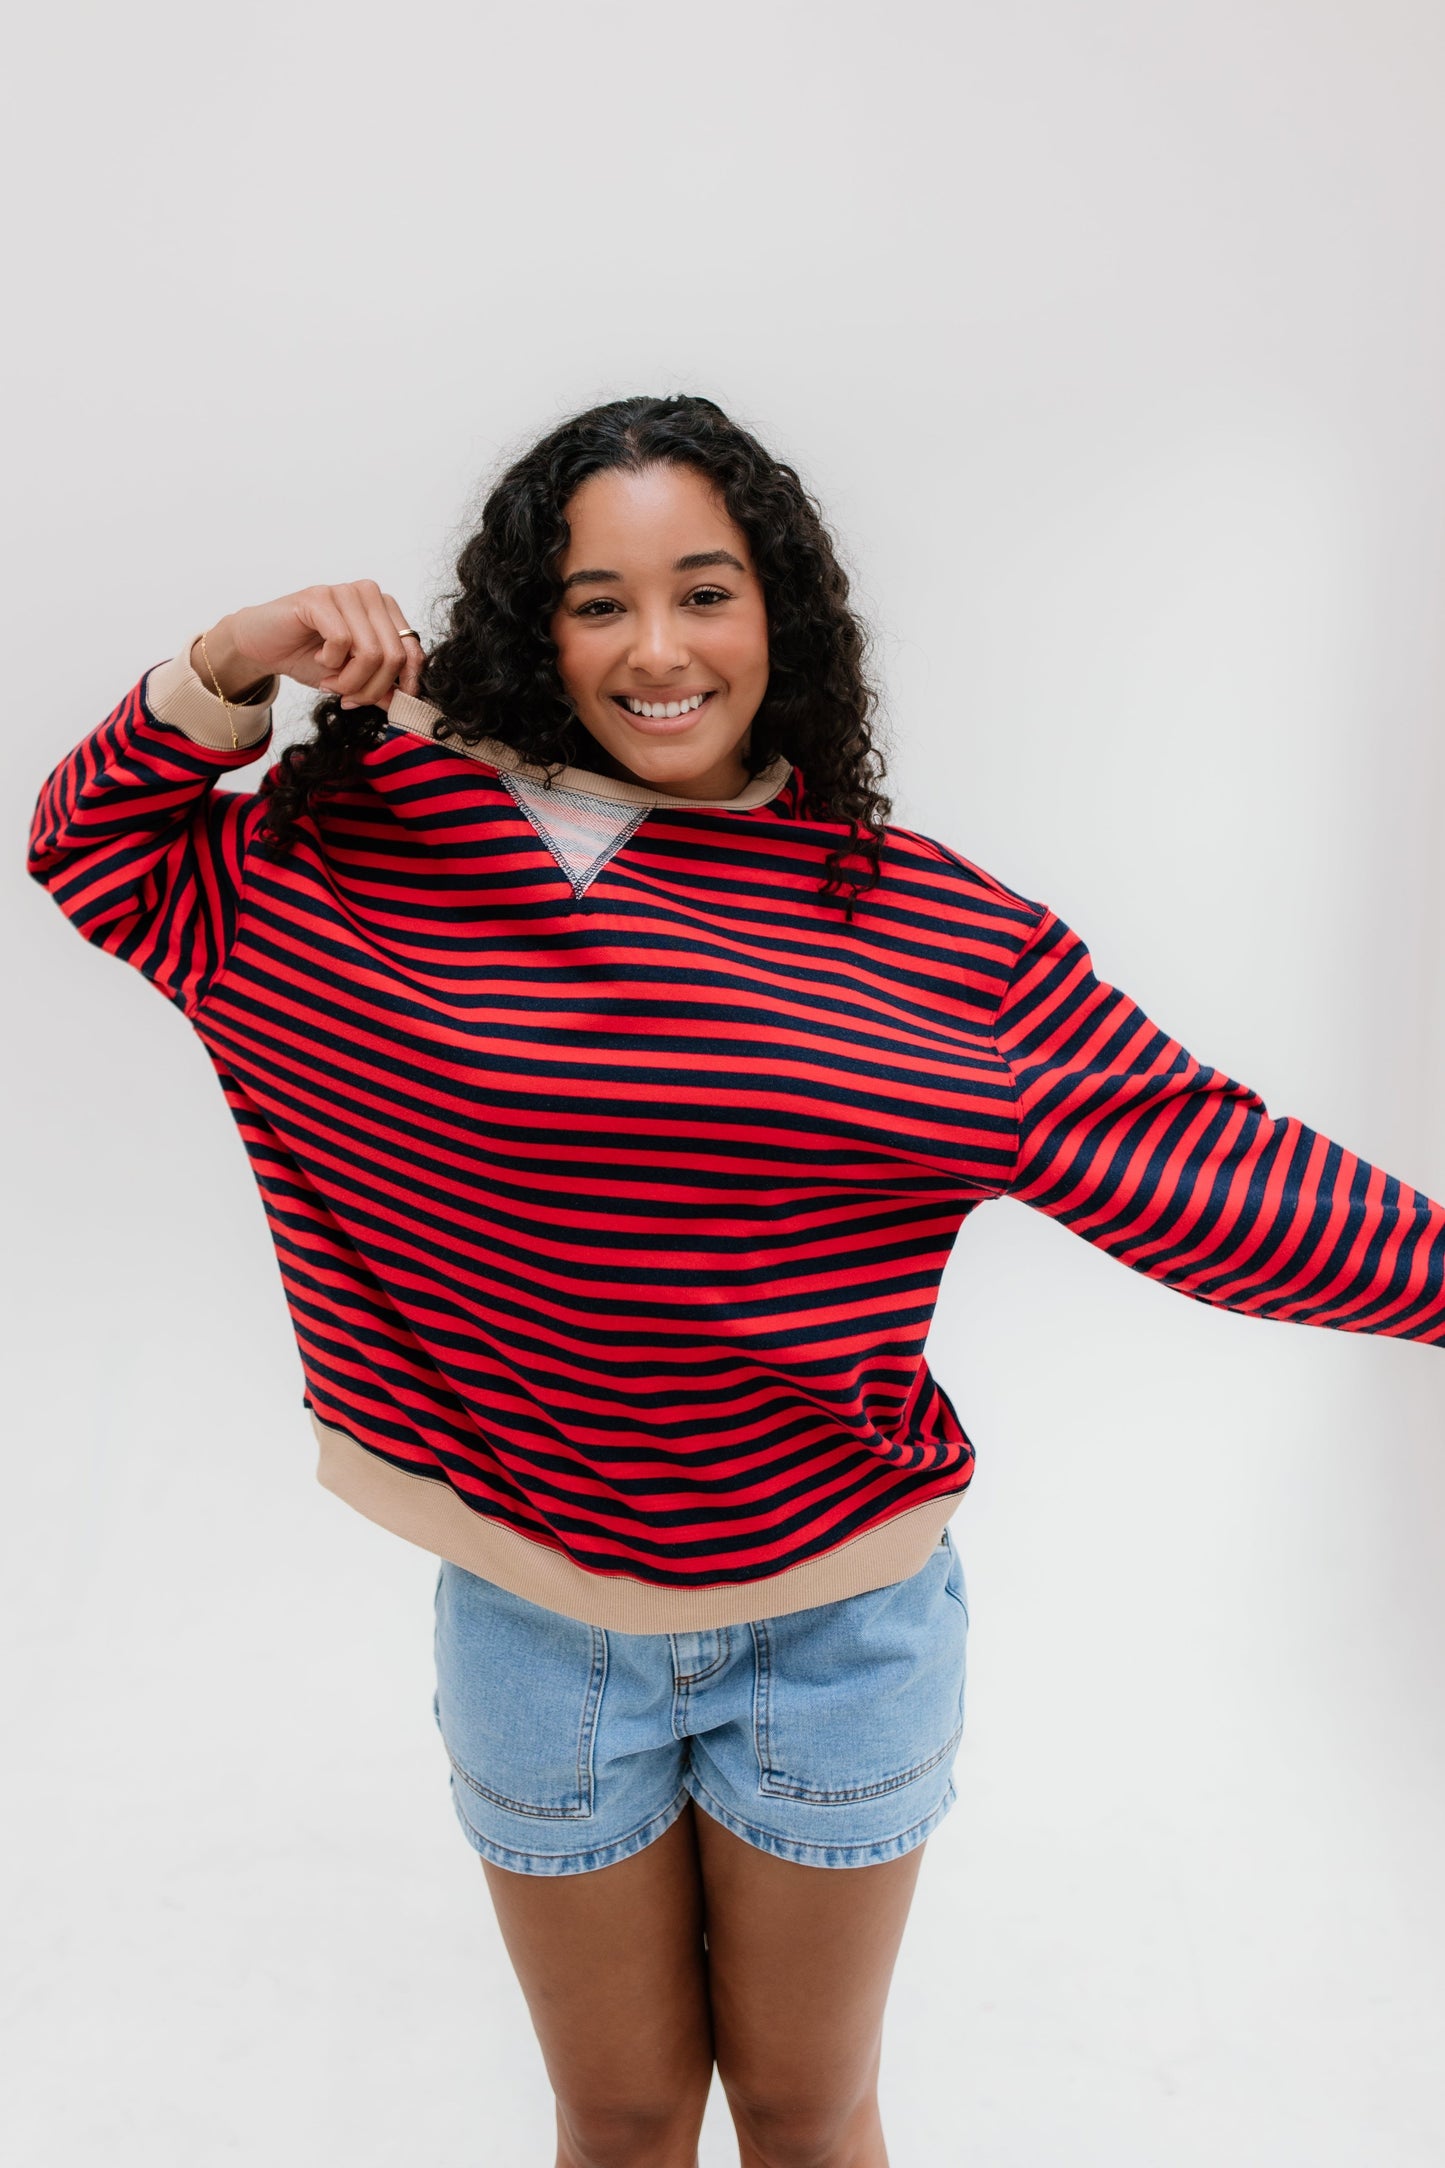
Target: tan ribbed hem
[(176, 695), (417, 716), (429, 1513)]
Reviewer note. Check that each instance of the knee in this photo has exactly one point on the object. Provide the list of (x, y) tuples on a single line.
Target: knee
[(800, 2133), (629, 2134)]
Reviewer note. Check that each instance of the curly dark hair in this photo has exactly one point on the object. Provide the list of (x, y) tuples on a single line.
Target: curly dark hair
[(494, 673)]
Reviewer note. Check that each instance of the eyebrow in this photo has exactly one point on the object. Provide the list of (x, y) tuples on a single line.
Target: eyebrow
[(695, 563)]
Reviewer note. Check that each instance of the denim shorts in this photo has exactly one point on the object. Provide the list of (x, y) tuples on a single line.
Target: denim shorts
[(826, 1736)]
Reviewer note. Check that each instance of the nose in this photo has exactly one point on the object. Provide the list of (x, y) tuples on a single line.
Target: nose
[(658, 649)]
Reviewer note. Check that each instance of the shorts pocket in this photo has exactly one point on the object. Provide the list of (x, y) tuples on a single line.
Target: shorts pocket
[(858, 1698), (518, 1697)]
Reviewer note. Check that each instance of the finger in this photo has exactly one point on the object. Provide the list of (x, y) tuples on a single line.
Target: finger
[(415, 656), (362, 668), (378, 647), (394, 649), (317, 608)]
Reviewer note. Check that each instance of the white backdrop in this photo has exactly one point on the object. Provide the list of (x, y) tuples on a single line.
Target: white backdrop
[(1112, 339)]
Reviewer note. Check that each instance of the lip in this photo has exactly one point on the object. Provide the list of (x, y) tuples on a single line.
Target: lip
[(662, 726)]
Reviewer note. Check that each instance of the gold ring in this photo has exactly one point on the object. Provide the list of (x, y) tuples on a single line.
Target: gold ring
[(406, 633)]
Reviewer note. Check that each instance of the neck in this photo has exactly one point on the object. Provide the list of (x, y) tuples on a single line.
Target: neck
[(730, 776)]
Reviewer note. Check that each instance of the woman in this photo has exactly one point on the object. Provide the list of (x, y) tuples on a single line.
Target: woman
[(617, 1080)]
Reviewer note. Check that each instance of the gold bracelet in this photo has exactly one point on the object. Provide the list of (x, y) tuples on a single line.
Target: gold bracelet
[(225, 703)]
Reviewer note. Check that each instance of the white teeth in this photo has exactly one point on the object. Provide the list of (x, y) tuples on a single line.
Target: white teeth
[(665, 707)]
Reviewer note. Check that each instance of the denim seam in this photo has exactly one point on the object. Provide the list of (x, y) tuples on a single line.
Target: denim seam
[(691, 1678), (762, 1675), (774, 1786), (580, 1813), (587, 1737), (604, 1854), (769, 1840)]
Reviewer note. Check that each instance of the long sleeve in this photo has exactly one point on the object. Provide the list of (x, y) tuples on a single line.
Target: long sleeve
[(134, 842), (1181, 1173)]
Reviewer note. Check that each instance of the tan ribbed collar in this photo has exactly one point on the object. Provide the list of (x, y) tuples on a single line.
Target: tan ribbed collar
[(418, 716)]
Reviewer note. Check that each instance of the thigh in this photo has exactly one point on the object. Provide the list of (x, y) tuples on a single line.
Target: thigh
[(800, 1961), (614, 1972)]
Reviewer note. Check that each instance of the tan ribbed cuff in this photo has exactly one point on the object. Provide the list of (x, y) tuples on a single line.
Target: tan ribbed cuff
[(175, 695)]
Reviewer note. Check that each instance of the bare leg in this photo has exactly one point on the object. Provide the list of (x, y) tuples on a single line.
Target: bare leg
[(615, 1975), (800, 1961)]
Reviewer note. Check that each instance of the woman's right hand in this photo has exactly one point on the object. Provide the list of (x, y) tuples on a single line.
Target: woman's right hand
[(343, 639)]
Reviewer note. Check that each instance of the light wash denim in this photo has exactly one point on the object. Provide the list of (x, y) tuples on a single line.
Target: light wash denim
[(826, 1736)]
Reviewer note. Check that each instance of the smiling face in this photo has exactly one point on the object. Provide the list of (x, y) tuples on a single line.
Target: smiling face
[(662, 631)]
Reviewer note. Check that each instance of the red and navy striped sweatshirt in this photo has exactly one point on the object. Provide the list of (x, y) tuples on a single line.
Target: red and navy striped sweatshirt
[(612, 1172)]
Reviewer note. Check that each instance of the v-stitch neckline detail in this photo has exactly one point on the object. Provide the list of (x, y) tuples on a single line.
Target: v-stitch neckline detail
[(582, 832)]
